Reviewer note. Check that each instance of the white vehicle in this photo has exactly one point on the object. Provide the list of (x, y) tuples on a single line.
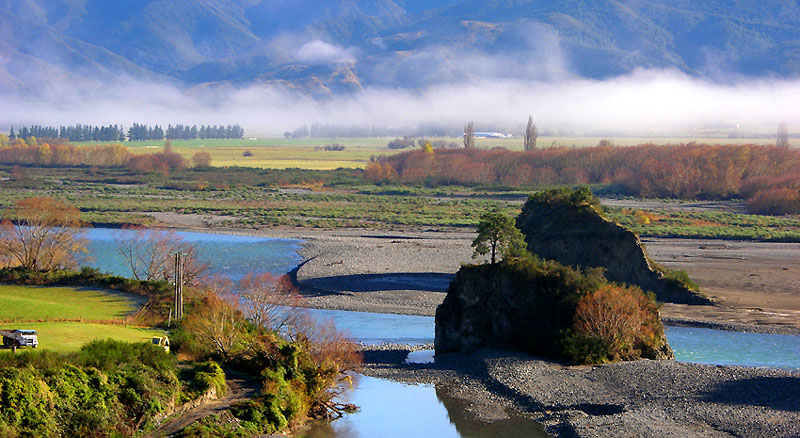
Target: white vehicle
[(20, 338)]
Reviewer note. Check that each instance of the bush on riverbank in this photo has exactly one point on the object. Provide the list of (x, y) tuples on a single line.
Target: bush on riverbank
[(299, 364), (108, 388), (615, 323)]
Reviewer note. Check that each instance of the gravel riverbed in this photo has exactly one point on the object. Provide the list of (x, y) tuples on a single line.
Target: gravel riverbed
[(643, 398)]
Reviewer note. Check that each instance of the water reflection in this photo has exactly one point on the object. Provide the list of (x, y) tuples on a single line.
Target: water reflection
[(391, 409), (468, 426)]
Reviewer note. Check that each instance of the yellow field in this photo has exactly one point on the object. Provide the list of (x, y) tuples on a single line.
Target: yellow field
[(279, 153)]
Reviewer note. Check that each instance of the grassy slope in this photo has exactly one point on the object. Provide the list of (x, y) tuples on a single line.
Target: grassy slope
[(28, 303)]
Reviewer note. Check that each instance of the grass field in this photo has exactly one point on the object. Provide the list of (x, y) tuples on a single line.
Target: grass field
[(29, 303), (308, 153), (64, 337), (25, 307)]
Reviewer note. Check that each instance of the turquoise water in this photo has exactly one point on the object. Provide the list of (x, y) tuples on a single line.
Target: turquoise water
[(231, 255), (702, 345), (375, 328), (236, 255)]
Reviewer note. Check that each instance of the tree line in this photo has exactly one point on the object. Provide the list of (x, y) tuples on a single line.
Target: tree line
[(33, 152), (767, 176), (76, 132), (137, 132)]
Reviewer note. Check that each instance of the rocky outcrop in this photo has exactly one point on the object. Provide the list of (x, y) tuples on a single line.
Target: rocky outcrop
[(525, 306), (576, 234), (485, 308)]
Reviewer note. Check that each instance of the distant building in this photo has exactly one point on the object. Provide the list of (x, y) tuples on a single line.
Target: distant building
[(492, 135)]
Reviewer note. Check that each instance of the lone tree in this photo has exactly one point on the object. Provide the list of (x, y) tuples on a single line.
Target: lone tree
[(201, 160), (469, 135), (497, 234), (46, 235), (150, 254), (783, 136), (531, 134)]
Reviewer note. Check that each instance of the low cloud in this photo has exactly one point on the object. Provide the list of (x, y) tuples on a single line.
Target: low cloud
[(644, 101), (320, 52)]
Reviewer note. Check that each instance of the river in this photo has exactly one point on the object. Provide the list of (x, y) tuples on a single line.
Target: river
[(396, 409)]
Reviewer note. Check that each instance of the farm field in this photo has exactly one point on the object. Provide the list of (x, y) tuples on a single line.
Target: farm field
[(32, 303), (276, 153), (30, 307), (65, 337), (309, 153)]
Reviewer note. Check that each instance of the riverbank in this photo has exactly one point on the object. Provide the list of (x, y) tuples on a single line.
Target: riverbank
[(754, 284), (642, 398)]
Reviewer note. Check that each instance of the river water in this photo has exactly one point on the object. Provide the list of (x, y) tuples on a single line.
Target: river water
[(394, 409)]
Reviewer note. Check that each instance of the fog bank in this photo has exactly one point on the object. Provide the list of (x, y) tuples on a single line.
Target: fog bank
[(645, 100)]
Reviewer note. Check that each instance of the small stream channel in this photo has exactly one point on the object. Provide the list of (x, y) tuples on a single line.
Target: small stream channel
[(391, 409)]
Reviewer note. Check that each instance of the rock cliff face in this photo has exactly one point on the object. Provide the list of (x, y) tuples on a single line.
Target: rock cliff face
[(516, 306), (578, 235), (486, 307)]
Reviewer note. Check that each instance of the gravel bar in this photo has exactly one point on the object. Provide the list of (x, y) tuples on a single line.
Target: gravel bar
[(642, 398)]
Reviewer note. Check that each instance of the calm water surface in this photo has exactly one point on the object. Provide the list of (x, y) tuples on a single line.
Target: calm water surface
[(231, 255), (390, 409)]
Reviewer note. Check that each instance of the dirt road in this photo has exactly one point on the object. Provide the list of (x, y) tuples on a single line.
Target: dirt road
[(240, 387)]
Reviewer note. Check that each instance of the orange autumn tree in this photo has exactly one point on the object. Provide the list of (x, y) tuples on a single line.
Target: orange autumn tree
[(45, 237), (615, 323)]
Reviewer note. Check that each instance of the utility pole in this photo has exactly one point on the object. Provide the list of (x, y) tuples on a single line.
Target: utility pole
[(178, 285)]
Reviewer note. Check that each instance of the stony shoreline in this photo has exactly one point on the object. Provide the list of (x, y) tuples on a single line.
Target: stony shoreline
[(642, 398)]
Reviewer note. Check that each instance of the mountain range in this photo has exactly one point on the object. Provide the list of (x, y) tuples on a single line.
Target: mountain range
[(341, 46)]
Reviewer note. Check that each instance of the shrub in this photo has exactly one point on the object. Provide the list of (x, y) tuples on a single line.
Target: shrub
[(206, 375), (26, 402), (110, 354), (45, 394), (775, 201), (615, 323), (201, 159), (682, 279), (401, 143)]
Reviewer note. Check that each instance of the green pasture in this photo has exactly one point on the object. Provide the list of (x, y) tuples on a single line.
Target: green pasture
[(33, 307), (64, 337), (32, 303)]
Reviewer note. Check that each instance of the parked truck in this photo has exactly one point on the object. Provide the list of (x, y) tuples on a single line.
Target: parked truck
[(19, 338), (161, 341)]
